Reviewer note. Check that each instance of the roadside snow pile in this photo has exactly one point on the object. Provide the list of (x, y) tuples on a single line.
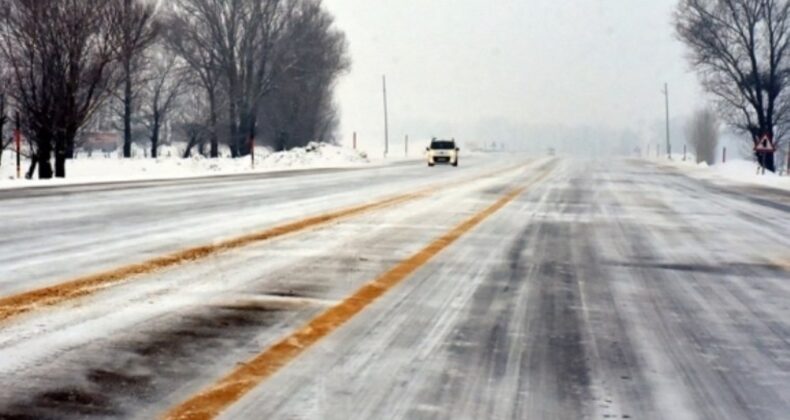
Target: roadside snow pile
[(749, 171), (735, 170), (313, 155), (101, 167)]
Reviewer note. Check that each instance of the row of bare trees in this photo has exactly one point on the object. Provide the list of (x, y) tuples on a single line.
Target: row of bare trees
[(741, 50), (219, 71)]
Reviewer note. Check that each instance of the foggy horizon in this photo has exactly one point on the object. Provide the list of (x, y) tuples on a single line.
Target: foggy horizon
[(509, 70)]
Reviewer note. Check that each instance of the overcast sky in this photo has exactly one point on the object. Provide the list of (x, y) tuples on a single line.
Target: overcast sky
[(461, 67)]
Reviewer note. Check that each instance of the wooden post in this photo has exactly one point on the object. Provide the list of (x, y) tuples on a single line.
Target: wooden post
[(724, 155), (355, 140)]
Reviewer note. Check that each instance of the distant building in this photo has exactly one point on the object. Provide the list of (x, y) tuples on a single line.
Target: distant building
[(105, 141)]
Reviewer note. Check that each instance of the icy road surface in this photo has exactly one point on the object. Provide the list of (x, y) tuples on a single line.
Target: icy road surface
[(605, 290)]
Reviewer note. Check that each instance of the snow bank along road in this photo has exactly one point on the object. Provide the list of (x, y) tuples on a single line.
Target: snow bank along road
[(534, 288)]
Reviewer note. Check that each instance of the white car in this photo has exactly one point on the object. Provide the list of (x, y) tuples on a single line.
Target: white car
[(442, 151)]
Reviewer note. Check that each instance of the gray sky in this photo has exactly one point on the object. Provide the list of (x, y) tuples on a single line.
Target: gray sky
[(467, 68)]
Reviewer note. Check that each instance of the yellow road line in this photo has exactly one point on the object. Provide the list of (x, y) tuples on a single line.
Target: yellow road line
[(15, 305), (782, 264), (212, 401), (49, 296)]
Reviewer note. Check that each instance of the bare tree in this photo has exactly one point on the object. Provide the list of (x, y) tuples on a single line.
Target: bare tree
[(300, 108), (138, 31), (190, 118), (703, 133), (161, 94), (238, 38), (61, 55), (185, 36), (740, 50)]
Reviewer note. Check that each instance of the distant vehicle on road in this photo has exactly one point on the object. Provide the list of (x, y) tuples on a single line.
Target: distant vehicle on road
[(442, 151)]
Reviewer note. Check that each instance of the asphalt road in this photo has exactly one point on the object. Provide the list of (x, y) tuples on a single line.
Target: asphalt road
[(604, 290)]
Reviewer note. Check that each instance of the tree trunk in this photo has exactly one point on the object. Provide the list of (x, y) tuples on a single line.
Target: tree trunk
[(32, 169), (766, 160), (282, 141), (242, 138), (127, 109), (234, 130), (190, 144), (155, 138), (70, 146), (60, 164), (60, 157), (43, 156), (246, 134), (213, 122), (2, 125)]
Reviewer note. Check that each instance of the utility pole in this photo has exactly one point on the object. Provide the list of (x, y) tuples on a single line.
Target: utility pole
[(386, 118), (666, 97)]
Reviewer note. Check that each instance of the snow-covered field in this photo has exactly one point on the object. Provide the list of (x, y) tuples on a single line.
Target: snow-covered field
[(100, 167), (739, 171)]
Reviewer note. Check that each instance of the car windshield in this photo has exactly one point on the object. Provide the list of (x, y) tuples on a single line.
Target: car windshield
[(443, 145)]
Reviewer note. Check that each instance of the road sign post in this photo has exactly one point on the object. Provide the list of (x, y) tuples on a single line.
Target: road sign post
[(764, 148)]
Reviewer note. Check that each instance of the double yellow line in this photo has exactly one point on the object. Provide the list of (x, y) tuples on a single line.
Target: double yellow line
[(212, 401), (16, 305)]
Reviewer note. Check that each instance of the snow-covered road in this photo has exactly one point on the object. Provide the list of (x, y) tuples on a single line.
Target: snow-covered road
[(605, 290)]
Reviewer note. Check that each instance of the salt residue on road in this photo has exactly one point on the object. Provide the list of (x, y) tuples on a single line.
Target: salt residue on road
[(100, 167)]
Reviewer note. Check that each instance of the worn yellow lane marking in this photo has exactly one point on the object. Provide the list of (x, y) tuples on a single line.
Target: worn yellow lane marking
[(49, 296), (15, 305), (212, 401), (782, 264)]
